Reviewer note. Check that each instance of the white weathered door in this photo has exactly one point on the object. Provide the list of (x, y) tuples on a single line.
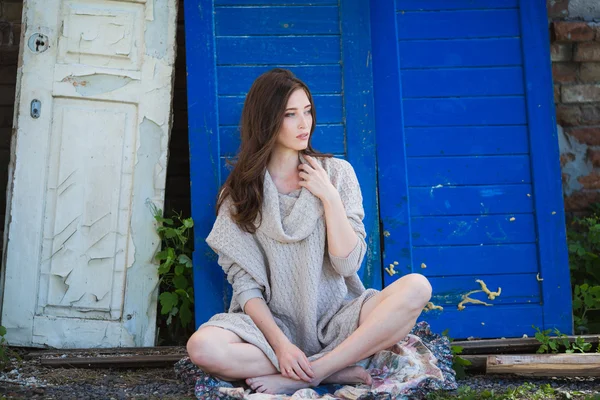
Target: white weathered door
[(87, 160)]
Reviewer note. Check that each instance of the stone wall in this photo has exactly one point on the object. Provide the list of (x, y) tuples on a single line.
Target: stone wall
[(575, 54)]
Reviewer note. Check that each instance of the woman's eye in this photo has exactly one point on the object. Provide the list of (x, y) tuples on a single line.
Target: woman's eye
[(307, 112), (289, 114)]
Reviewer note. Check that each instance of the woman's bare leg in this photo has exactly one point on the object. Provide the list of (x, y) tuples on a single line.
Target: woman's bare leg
[(385, 319), (225, 355)]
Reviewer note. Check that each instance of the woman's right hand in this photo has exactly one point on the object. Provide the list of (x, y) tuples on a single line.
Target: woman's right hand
[(293, 363)]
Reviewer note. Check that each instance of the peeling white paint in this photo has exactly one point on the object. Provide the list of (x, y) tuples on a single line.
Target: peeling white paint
[(79, 261), (579, 166)]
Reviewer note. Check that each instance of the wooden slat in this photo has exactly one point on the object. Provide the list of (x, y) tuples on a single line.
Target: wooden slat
[(465, 111), (326, 138), (485, 322), (545, 364), (236, 80), (497, 170), (458, 24), (108, 350), (471, 200), (328, 108), (460, 53), (506, 346), (453, 82), (476, 260), (434, 5), (448, 291), (274, 2), (149, 361), (472, 230), (466, 140), (299, 50), (234, 21)]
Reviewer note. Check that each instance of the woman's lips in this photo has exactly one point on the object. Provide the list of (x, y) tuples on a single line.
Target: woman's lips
[(304, 136)]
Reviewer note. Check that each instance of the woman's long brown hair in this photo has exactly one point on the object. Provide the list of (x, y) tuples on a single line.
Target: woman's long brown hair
[(262, 117)]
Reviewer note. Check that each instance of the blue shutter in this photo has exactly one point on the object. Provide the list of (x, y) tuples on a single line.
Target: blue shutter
[(229, 44), (469, 176)]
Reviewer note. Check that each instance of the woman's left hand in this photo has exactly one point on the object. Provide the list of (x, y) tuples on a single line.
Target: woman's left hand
[(315, 178)]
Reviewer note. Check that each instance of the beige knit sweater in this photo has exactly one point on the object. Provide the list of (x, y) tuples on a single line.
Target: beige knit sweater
[(315, 298)]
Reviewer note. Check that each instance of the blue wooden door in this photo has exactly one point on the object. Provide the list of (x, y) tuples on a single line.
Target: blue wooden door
[(469, 180), (229, 43)]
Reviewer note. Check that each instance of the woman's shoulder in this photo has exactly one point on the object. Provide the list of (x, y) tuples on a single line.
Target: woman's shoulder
[(337, 168)]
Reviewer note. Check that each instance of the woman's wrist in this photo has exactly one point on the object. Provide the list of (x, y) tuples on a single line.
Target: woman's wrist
[(332, 199)]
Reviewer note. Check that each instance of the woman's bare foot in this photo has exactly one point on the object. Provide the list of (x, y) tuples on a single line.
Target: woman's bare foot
[(350, 375), (278, 384)]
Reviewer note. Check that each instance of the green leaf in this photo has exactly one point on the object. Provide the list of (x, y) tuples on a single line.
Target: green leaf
[(2, 330), (185, 260), (168, 301), (161, 255), (185, 314), (188, 222), (180, 282), (179, 269), (456, 349)]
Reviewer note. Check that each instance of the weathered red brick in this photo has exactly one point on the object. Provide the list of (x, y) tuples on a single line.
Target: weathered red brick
[(565, 72), (568, 31), (561, 52), (557, 8), (589, 72), (556, 93), (581, 200), (588, 135), (592, 181), (588, 51), (590, 115), (568, 115), (594, 157), (565, 177), (566, 158), (589, 93)]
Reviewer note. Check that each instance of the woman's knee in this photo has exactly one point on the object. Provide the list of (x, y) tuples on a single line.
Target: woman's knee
[(418, 288), (205, 350)]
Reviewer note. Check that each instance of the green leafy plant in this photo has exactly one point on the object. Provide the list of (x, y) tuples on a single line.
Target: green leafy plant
[(458, 363), (586, 298), (554, 344), (4, 359), (580, 345), (175, 272)]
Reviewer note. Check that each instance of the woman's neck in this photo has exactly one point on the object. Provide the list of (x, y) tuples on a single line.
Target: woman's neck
[(283, 165)]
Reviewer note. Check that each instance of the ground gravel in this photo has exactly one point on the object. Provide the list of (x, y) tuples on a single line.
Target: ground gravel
[(26, 378)]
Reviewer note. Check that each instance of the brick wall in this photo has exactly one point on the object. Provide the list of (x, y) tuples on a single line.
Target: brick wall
[(575, 53)]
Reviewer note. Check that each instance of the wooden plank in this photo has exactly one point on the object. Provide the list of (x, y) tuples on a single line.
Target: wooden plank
[(460, 53), (234, 21), (147, 361), (497, 170), (545, 364), (360, 127), (326, 138), (476, 260), (506, 346), (435, 5), (329, 109), (204, 155), (470, 230), (458, 24), (486, 322), (471, 200), (278, 50), (465, 111), (467, 140), (453, 82), (107, 350), (448, 291), (391, 153), (545, 168), (236, 80)]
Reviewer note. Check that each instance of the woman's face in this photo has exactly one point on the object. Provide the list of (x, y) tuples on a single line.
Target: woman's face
[(297, 122)]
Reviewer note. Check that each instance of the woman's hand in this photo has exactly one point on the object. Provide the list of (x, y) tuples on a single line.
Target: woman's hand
[(293, 363), (315, 179)]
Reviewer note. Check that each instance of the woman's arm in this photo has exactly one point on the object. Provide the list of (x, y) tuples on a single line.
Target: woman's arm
[(292, 361), (341, 238)]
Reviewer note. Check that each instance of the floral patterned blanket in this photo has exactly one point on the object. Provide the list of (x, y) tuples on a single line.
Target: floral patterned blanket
[(419, 364)]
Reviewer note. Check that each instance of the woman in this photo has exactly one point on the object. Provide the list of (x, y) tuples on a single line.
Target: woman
[(290, 237)]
